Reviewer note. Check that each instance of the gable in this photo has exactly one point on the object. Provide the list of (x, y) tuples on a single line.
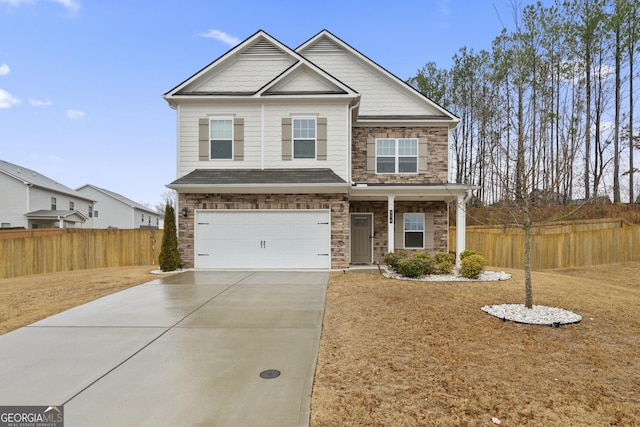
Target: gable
[(383, 94), (303, 80), (245, 74), (259, 66)]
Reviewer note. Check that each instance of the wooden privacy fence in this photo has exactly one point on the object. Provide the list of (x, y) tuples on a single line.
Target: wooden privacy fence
[(24, 252), (556, 245)]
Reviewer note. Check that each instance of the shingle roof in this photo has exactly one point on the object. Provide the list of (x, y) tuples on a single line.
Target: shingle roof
[(119, 197), (32, 177), (259, 177)]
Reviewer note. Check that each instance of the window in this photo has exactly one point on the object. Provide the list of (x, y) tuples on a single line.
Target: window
[(304, 138), (95, 214), (90, 211), (221, 138), (53, 204), (71, 206), (396, 155), (142, 219), (6, 225), (414, 231)]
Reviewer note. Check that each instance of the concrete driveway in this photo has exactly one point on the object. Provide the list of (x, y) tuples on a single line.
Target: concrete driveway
[(183, 350)]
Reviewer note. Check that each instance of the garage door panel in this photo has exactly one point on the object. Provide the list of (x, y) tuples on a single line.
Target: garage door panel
[(263, 239)]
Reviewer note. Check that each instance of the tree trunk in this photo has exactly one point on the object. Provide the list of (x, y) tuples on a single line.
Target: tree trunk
[(528, 301)]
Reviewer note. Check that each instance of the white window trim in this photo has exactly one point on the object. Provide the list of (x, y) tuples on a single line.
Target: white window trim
[(315, 138), (232, 119), (405, 231), (397, 157)]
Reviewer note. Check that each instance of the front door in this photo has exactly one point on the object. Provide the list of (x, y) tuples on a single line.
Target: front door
[(361, 238)]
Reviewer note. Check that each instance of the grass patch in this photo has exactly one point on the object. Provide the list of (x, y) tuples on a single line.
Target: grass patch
[(423, 353)]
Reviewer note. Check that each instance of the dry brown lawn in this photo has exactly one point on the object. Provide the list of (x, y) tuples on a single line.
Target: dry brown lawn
[(27, 299), (400, 353)]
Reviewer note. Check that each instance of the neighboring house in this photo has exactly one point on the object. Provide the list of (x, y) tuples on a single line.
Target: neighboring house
[(113, 210), (309, 158), (31, 200)]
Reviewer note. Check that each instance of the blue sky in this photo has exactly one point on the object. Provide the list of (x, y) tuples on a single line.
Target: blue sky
[(81, 81)]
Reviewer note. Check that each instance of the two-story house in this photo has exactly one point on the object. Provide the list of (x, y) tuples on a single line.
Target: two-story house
[(113, 210), (32, 200), (314, 157)]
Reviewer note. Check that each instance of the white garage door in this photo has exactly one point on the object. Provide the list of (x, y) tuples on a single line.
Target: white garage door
[(263, 239)]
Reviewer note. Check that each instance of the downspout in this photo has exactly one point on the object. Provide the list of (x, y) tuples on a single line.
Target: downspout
[(350, 141), (29, 185), (262, 137)]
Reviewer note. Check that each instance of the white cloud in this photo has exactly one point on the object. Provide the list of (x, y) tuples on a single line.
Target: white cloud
[(75, 114), (6, 100), (4, 70), (39, 103), (15, 2), (72, 5), (221, 36)]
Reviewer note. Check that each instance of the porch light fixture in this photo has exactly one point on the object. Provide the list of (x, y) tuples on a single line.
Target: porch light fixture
[(185, 212)]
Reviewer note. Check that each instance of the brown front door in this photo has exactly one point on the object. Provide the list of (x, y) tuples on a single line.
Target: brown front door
[(361, 238)]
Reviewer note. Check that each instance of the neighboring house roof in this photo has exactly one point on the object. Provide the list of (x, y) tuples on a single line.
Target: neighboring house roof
[(267, 179), (31, 177), (120, 198)]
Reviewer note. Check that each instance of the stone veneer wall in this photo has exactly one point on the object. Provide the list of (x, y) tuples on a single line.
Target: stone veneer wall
[(380, 227), (437, 154), (338, 203)]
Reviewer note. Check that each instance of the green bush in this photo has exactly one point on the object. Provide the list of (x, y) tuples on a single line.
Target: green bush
[(169, 257), (472, 266), (412, 267), (444, 263), (429, 263), (392, 258), (467, 253)]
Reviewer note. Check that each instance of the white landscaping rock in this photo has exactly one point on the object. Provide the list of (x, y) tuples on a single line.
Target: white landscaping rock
[(487, 276), (538, 315)]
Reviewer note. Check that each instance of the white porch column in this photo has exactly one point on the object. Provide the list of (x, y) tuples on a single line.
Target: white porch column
[(461, 226), (60, 222), (391, 221)]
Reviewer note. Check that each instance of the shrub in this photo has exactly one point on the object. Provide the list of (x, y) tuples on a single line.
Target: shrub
[(392, 258), (444, 263), (412, 267), (429, 263), (169, 258), (467, 253), (472, 266)]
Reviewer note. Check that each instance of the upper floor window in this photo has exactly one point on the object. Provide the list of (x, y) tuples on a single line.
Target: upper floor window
[(90, 211), (396, 155), (54, 204), (304, 138), (71, 206), (221, 138)]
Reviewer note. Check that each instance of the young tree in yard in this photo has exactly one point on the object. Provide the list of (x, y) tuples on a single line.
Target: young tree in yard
[(169, 254)]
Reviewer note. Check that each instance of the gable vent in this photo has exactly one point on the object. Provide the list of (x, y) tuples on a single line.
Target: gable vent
[(324, 45), (262, 47)]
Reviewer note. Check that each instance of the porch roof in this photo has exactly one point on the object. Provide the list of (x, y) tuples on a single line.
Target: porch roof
[(446, 192), (67, 215)]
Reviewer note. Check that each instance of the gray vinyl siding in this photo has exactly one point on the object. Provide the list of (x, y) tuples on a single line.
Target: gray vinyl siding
[(114, 213), (13, 201)]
